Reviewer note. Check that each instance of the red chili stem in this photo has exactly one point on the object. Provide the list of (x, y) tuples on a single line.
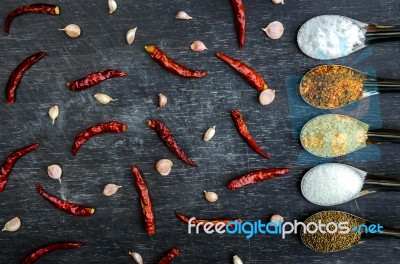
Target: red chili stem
[(257, 176), (165, 134), (10, 162), (109, 127), (249, 74), (18, 73), (169, 257), (202, 222), (37, 254), (145, 200), (64, 205), (94, 78), (171, 65), (240, 21), (33, 8), (244, 132)]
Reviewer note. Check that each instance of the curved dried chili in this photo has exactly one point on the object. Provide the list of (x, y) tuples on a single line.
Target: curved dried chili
[(18, 73), (10, 162), (109, 127), (202, 222), (257, 176), (94, 78), (165, 134), (171, 65), (37, 254), (169, 257), (240, 20)]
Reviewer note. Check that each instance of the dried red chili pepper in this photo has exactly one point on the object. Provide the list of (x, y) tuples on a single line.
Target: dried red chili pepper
[(171, 65), (64, 205), (145, 200), (99, 129), (94, 78), (244, 132), (202, 222), (37, 254), (9, 163), (257, 176), (33, 8), (240, 20), (245, 71), (169, 257), (18, 73), (165, 134)]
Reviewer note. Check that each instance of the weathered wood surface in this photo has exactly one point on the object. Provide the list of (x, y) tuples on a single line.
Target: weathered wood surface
[(194, 105)]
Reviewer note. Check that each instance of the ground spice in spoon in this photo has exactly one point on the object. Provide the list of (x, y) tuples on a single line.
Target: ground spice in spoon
[(326, 242)]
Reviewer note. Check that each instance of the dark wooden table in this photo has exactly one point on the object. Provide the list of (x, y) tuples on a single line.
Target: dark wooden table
[(194, 105)]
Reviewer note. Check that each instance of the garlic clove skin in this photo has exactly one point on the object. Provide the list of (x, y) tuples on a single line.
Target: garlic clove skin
[(12, 225), (274, 30), (278, 1), (110, 189), (276, 218), (103, 98), (198, 46), (267, 96), (72, 30), (112, 6), (162, 100), (136, 257), (54, 111), (131, 35), (209, 133), (164, 167), (183, 15), (55, 172), (212, 197), (237, 260)]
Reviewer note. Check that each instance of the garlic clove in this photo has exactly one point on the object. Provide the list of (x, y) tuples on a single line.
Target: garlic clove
[(55, 172), (278, 1), (267, 96), (103, 98), (162, 100), (209, 133), (274, 30), (237, 260), (130, 35), (72, 30), (112, 6), (164, 167), (12, 225), (198, 46), (276, 218), (182, 15), (110, 189), (136, 257), (212, 197), (54, 111)]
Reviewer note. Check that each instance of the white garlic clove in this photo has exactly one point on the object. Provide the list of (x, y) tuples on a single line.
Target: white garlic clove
[(182, 15), (162, 100), (72, 30), (103, 98), (164, 167), (130, 35), (267, 96), (112, 6), (209, 133), (110, 189), (136, 257), (55, 172), (237, 260), (276, 218), (278, 1), (12, 225), (198, 46), (54, 111), (212, 197), (274, 30)]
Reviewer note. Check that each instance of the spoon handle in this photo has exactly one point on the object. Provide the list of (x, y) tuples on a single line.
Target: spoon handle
[(390, 231), (383, 135), (380, 33), (381, 181), (381, 85)]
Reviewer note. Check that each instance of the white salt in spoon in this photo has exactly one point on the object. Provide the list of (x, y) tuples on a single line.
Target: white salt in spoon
[(334, 183), (323, 37)]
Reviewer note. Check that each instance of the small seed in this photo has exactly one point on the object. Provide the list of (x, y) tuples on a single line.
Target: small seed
[(237, 260), (276, 218), (267, 96), (209, 133), (130, 35), (197, 45), (162, 100), (112, 6), (136, 257), (54, 111), (12, 225), (212, 197), (103, 98), (72, 30), (110, 189), (164, 166), (182, 15), (55, 172)]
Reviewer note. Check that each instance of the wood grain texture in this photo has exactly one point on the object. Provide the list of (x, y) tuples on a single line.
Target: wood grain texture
[(194, 105)]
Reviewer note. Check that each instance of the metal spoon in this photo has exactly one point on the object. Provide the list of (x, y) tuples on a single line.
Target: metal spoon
[(324, 135), (334, 86), (362, 183), (373, 34), (346, 241)]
